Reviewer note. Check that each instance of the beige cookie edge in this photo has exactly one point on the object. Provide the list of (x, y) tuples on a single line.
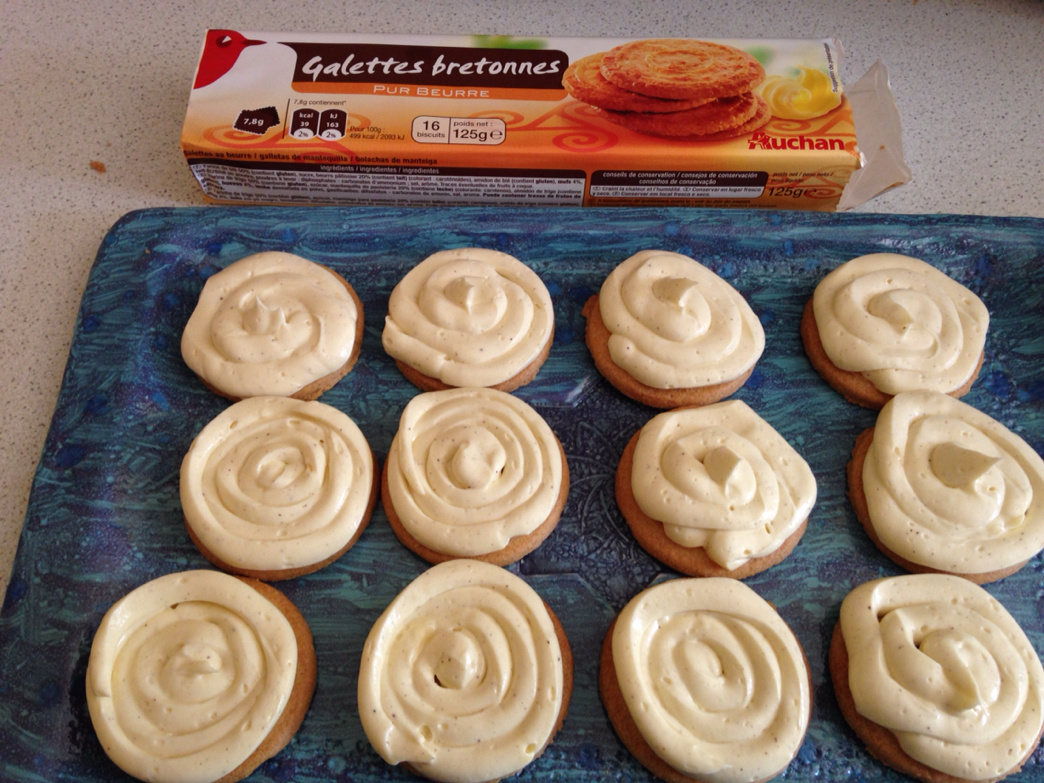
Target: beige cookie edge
[(302, 691)]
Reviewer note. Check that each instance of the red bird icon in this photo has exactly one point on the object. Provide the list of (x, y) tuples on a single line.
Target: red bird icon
[(220, 52)]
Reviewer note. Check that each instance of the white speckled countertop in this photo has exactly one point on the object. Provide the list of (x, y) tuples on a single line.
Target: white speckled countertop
[(108, 81)]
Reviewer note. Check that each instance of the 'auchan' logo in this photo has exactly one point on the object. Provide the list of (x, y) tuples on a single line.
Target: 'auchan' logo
[(762, 141)]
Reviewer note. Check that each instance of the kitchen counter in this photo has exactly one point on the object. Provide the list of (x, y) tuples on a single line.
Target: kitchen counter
[(94, 103)]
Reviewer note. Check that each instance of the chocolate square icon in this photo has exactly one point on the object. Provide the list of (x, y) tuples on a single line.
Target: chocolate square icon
[(257, 121)]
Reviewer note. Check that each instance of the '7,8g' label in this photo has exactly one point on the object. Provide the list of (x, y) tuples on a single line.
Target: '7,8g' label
[(458, 130)]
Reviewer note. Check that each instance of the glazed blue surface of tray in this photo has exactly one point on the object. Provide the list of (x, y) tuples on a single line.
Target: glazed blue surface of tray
[(104, 514)]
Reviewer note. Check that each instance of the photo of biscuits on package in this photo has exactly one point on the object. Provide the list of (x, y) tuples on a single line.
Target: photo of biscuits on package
[(684, 88)]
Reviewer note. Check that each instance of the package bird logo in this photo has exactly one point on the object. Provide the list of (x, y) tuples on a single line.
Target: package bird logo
[(221, 49)]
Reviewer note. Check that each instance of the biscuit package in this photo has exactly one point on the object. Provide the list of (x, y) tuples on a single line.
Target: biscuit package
[(302, 118)]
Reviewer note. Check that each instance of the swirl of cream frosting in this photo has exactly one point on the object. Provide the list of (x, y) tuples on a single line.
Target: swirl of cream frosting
[(900, 322), (939, 662), (675, 324), (471, 468), (270, 323), (722, 478), (951, 488), (714, 679), (469, 317), (809, 95), (462, 676), (187, 675), (274, 483)]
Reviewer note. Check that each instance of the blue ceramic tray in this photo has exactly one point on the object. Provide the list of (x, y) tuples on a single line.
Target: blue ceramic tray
[(104, 514)]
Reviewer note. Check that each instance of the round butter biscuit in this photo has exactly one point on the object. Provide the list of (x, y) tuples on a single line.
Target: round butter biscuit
[(682, 69), (761, 116), (583, 80), (718, 116)]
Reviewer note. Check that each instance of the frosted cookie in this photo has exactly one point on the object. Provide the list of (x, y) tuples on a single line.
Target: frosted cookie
[(937, 679), (682, 68), (274, 487), (199, 676), (940, 486), (273, 324), (885, 323), (474, 473), (703, 681), (666, 331), (584, 81), (466, 676), (469, 317), (714, 490)]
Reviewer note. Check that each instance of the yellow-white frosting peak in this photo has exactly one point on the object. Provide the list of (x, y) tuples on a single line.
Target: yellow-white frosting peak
[(673, 323), (471, 468), (274, 483), (951, 488), (940, 662), (270, 324), (187, 675), (714, 679), (462, 675), (901, 322), (469, 317), (722, 478)]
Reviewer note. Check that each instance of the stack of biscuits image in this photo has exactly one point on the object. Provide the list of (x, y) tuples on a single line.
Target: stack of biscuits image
[(673, 87)]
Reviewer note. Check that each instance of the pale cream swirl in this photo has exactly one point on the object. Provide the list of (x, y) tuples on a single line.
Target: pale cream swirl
[(951, 488), (810, 94), (673, 323), (274, 483), (469, 317), (722, 478), (901, 322), (187, 675), (471, 468), (714, 679), (940, 662), (270, 323), (462, 675)]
